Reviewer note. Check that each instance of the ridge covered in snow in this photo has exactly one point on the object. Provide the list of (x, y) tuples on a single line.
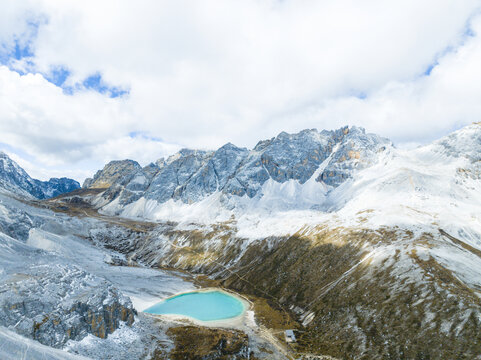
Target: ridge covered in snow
[(15, 179), (290, 171), (308, 178), (343, 178)]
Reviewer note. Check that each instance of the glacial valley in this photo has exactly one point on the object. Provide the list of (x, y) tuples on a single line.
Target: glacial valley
[(366, 251)]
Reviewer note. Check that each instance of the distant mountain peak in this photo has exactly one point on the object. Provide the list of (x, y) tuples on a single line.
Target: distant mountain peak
[(15, 179), (113, 172)]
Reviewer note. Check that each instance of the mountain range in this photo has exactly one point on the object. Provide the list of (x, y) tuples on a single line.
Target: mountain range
[(369, 251), (16, 180), (320, 161)]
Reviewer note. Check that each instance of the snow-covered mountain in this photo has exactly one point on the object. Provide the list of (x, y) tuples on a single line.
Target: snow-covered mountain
[(63, 297), (345, 172), (304, 166), (375, 251), (355, 236), (14, 179)]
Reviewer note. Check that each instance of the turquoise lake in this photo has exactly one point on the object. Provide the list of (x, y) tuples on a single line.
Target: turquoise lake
[(204, 306)]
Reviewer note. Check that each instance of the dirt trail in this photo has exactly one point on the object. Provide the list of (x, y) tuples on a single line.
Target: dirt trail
[(269, 336)]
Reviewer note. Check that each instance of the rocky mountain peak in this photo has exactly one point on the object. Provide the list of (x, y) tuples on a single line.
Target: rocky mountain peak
[(15, 179), (111, 173), (463, 142), (192, 175), (57, 186)]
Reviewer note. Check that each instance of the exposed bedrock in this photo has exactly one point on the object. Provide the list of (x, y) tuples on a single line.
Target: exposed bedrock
[(53, 304)]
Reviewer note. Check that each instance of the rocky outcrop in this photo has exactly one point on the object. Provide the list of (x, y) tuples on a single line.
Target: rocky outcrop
[(212, 176), (357, 150), (56, 186), (176, 173), (53, 304), (117, 171), (16, 222), (45, 298), (13, 178)]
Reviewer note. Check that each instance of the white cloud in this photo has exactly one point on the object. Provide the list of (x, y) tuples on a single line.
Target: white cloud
[(72, 133), (419, 110), (204, 73), (14, 17)]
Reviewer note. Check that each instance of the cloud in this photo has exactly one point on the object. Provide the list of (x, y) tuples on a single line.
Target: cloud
[(416, 111), (200, 74), (60, 131)]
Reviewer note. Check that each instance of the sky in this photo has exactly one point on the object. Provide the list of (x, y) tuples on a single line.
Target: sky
[(86, 82)]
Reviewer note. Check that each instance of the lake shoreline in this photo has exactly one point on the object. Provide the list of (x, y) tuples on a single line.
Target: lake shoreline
[(238, 321)]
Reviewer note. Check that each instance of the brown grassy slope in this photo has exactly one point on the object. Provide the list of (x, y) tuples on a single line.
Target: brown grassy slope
[(396, 307)]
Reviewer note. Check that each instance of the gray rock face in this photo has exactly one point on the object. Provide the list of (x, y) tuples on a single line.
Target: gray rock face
[(56, 186), (192, 175), (44, 297), (356, 150), (213, 175), (285, 157), (115, 172), (17, 223), (175, 173), (13, 178), (70, 305)]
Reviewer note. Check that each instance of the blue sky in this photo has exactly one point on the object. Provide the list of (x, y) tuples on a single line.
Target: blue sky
[(83, 83), (57, 75)]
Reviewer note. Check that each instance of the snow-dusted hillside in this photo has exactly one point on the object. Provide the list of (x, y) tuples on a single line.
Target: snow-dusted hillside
[(357, 177), (403, 223)]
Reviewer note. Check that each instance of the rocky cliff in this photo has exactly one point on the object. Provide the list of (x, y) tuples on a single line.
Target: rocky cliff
[(42, 295), (54, 305), (114, 172)]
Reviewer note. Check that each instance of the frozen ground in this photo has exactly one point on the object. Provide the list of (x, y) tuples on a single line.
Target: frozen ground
[(144, 286), (15, 347), (50, 241)]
